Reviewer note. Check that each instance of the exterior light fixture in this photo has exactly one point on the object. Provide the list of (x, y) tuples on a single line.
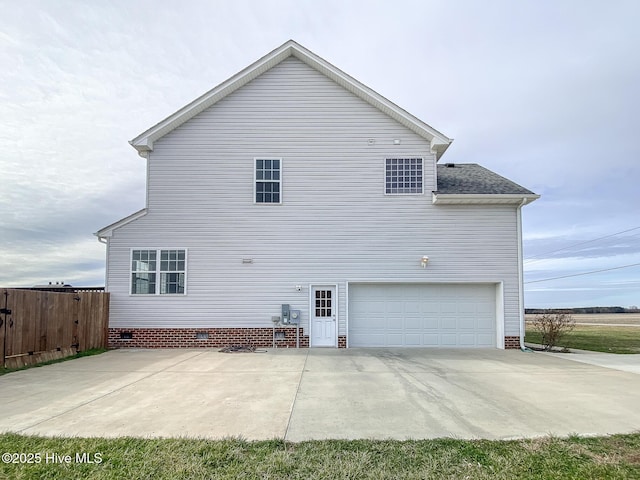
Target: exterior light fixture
[(423, 261)]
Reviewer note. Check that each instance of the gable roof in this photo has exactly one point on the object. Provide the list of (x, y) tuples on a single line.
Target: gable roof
[(143, 143), (469, 182), (108, 230)]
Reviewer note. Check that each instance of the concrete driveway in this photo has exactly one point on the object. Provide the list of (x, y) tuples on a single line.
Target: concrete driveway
[(317, 394)]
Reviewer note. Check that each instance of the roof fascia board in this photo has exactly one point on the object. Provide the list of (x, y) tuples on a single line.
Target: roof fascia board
[(144, 142), (471, 198), (108, 230)]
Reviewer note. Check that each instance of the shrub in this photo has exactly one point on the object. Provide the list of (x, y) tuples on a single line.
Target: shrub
[(552, 327)]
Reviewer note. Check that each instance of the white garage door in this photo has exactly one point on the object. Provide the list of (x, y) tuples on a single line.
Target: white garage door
[(422, 315)]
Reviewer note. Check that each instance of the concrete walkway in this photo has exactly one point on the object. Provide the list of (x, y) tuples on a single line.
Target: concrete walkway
[(625, 363), (318, 393)]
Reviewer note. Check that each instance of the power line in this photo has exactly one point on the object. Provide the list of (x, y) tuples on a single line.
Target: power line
[(531, 259), (584, 273)]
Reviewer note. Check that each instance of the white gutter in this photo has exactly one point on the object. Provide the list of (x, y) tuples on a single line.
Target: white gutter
[(521, 271), (483, 198)]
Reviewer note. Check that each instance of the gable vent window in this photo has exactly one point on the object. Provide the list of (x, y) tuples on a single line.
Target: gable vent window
[(403, 176), (158, 272), (267, 183)]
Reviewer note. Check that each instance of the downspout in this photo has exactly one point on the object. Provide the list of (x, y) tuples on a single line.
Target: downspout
[(521, 273), (106, 264), (105, 241)]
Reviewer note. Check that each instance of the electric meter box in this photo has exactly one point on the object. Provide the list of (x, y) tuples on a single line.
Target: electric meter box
[(295, 317), (285, 313)]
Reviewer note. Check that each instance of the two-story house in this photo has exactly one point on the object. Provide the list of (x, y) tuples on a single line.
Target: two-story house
[(294, 184)]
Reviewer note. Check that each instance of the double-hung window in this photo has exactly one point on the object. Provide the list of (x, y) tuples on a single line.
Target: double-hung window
[(403, 176), (158, 272), (267, 180)]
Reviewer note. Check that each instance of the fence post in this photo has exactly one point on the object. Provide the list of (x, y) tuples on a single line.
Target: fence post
[(4, 313), (75, 332)]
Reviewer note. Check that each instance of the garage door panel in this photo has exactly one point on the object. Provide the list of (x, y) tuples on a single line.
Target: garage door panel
[(375, 322), (467, 308), (468, 323), (394, 307), (429, 309), (485, 324), (448, 324), (431, 340), (372, 339), (467, 340), (413, 323), (448, 319), (448, 340), (448, 308), (368, 308), (448, 315), (430, 323)]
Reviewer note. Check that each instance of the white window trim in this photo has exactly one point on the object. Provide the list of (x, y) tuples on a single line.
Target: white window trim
[(158, 272), (384, 174), (255, 180)]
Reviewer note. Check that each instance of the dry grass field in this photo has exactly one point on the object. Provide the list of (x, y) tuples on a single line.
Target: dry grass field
[(605, 332), (603, 318)]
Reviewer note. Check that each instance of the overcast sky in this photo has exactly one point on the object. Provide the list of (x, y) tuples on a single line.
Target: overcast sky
[(546, 93)]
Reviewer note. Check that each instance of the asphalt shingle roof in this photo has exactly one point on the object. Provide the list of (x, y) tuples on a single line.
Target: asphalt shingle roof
[(471, 178)]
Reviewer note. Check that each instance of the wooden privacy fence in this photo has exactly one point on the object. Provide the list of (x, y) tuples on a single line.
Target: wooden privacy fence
[(37, 326)]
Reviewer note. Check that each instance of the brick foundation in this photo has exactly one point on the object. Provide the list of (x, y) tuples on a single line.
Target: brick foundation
[(511, 343), (218, 337), (223, 337)]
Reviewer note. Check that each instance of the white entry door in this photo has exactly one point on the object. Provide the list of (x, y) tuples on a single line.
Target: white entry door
[(323, 316)]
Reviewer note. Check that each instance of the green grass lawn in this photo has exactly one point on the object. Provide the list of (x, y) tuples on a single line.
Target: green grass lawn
[(86, 353), (598, 338), (616, 457)]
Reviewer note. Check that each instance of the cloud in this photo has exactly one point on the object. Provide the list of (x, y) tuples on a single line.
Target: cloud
[(544, 94), (76, 262)]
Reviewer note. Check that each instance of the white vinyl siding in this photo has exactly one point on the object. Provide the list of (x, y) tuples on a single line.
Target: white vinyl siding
[(335, 225)]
